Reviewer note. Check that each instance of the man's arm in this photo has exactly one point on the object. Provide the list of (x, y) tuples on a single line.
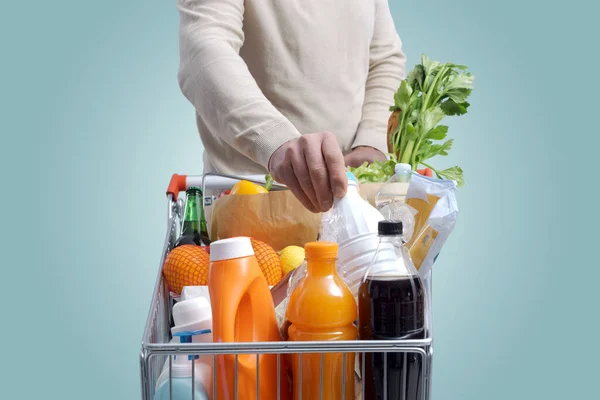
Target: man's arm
[(216, 80), (386, 71)]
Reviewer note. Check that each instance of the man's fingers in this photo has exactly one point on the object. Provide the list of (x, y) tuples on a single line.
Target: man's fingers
[(296, 158), (289, 179), (334, 160), (311, 148)]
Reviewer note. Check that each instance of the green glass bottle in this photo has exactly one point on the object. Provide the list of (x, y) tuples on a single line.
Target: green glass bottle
[(194, 230)]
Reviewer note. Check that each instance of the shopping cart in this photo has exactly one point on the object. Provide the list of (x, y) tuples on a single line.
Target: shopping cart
[(157, 351)]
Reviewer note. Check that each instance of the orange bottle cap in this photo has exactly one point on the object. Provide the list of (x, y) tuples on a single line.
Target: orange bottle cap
[(321, 250)]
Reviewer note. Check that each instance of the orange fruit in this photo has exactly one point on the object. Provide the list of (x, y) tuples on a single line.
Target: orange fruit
[(247, 187), (186, 265), (268, 261)]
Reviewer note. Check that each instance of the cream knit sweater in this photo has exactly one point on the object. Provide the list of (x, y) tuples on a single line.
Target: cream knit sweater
[(262, 72)]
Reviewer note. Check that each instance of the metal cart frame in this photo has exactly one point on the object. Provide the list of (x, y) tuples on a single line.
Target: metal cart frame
[(157, 351)]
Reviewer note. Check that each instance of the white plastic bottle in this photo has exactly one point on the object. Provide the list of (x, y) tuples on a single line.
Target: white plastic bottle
[(193, 324), (359, 217), (395, 188)]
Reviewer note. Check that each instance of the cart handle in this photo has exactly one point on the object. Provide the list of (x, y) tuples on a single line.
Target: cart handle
[(177, 184)]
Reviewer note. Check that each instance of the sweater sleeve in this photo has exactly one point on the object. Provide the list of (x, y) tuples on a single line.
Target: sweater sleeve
[(215, 79), (386, 70)]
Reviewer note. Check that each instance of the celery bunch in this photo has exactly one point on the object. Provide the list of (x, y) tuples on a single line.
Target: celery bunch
[(431, 91)]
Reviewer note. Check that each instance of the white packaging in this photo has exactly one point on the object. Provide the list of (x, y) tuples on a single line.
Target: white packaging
[(350, 216), (193, 323), (190, 292)]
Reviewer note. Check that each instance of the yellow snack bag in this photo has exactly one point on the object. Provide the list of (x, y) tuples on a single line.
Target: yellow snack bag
[(437, 211)]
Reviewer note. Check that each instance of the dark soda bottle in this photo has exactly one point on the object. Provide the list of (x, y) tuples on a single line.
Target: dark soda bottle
[(391, 307), (194, 230)]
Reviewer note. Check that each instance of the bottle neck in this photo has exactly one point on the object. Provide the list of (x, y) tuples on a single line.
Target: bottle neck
[(320, 267), (193, 219), (391, 239)]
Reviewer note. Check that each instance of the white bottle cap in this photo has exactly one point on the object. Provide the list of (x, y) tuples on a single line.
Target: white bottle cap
[(192, 310), (226, 249), (401, 168), (191, 292), (192, 315)]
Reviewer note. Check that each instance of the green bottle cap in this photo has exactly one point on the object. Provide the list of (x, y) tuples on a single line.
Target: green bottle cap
[(193, 189)]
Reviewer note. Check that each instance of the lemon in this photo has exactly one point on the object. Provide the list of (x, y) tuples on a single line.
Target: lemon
[(291, 257), (247, 187)]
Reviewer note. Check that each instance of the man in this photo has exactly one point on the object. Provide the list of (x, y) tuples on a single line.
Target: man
[(270, 79)]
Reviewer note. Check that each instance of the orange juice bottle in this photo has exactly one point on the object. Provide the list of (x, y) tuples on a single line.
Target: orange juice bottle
[(322, 308), (243, 311)]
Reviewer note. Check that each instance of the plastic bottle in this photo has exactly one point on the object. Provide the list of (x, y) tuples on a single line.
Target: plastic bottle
[(193, 324), (194, 317), (243, 311), (395, 188), (182, 385), (390, 199), (392, 306), (322, 308), (359, 217)]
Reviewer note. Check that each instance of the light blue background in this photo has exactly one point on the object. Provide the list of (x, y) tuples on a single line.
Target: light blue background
[(93, 124)]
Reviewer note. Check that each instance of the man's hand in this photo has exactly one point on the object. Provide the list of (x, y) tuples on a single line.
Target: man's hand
[(312, 167), (361, 154)]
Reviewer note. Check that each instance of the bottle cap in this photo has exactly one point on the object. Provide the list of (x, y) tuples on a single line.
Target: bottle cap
[(389, 228), (193, 189), (351, 178), (227, 249), (402, 168), (188, 313), (321, 250)]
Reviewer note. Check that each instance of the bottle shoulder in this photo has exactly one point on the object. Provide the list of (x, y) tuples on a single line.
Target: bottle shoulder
[(322, 302)]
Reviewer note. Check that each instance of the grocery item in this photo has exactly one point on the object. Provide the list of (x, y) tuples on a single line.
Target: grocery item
[(391, 306), (183, 386), (377, 171), (350, 216), (395, 188), (430, 92), (390, 199), (268, 261), (247, 187), (356, 255), (269, 181), (194, 229), (193, 323), (277, 218), (193, 315), (436, 213), (190, 292), (425, 171), (186, 265), (243, 311), (321, 307), (291, 257)]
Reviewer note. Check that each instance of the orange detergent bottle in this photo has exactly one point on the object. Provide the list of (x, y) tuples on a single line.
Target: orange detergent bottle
[(322, 308), (243, 311)]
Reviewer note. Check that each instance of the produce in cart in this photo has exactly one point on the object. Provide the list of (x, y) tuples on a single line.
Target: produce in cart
[(186, 265), (431, 92)]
